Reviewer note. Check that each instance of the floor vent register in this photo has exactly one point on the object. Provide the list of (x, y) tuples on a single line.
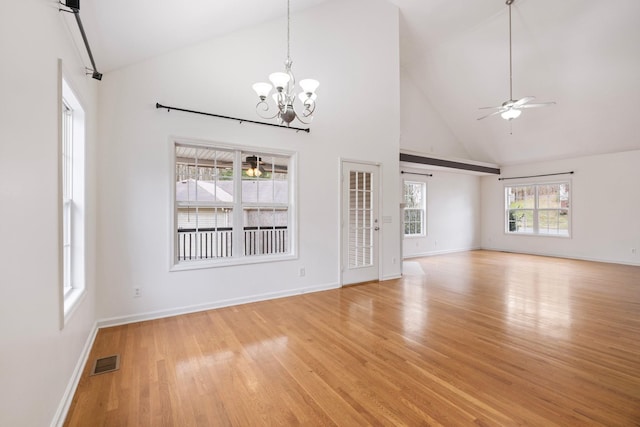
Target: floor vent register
[(106, 364)]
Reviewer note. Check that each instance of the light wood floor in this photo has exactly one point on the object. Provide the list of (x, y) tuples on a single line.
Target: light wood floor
[(481, 338)]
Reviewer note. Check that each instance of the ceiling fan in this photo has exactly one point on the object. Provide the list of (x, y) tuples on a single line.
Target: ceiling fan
[(511, 109)]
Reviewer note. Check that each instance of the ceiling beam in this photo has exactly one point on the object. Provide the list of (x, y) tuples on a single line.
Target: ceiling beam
[(412, 158)]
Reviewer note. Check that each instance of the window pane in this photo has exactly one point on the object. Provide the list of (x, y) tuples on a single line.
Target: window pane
[(206, 204), (266, 231), (415, 208), (521, 221), (538, 209), (360, 219), (270, 184), (203, 174), (204, 232), (553, 222), (413, 195), (548, 196), (521, 197), (563, 194)]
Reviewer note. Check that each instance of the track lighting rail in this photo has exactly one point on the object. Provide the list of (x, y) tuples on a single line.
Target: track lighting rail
[(76, 12)]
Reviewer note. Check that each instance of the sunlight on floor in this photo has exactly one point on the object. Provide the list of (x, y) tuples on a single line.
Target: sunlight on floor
[(412, 268)]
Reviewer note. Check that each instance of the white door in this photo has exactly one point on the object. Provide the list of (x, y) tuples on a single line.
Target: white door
[(360, 226)]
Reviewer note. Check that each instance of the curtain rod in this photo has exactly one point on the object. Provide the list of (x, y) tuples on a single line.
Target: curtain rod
[(158, 105), (416, 173), (536, 176)]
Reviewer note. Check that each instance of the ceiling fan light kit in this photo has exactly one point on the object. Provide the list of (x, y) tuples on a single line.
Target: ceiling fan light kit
[(512, 109), (510, 114)]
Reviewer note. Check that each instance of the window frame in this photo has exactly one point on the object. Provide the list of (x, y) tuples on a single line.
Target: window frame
[(71, 199), (238, 206), (536, 209), (423, 210)]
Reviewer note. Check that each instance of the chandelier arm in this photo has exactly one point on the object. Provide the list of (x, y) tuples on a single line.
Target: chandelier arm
[(309, 109), (265, 107), (301, 116)]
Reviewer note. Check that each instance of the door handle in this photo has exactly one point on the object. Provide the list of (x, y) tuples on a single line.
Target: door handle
[(377, 228)]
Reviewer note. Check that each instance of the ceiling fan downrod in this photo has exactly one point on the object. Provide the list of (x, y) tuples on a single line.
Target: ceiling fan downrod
[(509, 2), (511, 108)]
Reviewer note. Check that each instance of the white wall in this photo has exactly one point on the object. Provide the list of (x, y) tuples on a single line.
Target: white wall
[(422, 128), (332, 43), (453, 203), (453, 213), (38, 359), (605, 202)]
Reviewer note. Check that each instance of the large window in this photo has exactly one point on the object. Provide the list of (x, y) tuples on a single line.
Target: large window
[(71, 158), (415, 209), (231, 205), (541, 209)]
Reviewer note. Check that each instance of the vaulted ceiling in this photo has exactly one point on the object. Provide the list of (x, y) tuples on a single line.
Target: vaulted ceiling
[(583, 54)]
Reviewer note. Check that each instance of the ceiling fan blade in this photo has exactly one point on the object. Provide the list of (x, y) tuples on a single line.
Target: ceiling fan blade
[(490, 108), (492, 114), (522, 101), (538, 104)]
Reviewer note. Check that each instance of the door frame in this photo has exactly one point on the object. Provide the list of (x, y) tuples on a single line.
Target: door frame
[(341, 213)]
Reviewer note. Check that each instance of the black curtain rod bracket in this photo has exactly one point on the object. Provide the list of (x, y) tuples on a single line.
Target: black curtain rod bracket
[(536, 176), (416, 173), (158, 105)]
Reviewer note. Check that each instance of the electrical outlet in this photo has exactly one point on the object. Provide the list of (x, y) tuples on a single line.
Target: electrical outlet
[(301, 272), (633, 251), (137, 293)]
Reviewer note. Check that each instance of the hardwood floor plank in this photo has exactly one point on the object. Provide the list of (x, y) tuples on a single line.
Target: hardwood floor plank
[(481, 338)]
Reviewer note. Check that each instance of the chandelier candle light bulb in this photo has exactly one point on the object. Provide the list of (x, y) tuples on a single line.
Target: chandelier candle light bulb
[(285, 95)]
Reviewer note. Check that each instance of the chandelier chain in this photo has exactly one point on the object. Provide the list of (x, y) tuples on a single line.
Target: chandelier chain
[(288, 30)]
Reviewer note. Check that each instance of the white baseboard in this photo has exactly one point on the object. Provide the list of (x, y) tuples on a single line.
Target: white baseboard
[(565, 256), (159, 314), (392, 277), (61, 413)]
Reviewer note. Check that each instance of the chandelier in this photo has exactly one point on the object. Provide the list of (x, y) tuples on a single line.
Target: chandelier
[(285, 94)]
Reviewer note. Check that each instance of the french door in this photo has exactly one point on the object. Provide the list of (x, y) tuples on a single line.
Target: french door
[(360, 226)]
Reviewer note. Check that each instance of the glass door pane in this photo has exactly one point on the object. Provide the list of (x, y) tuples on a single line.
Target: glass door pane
[(360, 219)]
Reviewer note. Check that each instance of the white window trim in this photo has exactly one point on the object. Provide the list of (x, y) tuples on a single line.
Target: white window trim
[(569, 234), (174, 265), (70, 298), (424, 210)]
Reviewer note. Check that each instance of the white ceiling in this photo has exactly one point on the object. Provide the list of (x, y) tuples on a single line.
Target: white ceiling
[(583, 54)]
